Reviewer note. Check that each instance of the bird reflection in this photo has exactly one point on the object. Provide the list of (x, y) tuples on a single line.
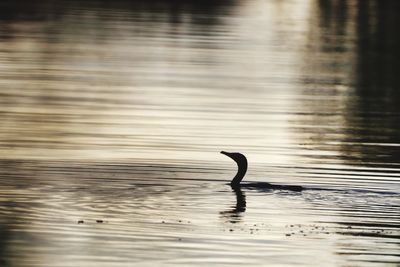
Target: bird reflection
[(234, 214)]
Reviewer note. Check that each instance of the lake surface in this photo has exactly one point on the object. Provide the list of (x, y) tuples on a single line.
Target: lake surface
[(113, 114)]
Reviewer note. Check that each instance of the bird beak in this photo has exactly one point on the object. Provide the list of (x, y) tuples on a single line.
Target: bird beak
[(225, 153)]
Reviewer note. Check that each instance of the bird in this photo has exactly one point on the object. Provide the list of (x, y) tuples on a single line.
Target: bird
[(241, 162)]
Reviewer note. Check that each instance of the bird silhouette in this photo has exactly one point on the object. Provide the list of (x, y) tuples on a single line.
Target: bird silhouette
[(241, 162)]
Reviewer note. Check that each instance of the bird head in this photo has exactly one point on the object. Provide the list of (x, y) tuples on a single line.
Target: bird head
[(241, 162)]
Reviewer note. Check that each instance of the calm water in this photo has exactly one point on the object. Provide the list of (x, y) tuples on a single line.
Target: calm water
[(117, 110)]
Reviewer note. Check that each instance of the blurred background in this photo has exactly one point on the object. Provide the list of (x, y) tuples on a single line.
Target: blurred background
[(181, 80)]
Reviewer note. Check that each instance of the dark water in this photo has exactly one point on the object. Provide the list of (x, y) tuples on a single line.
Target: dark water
[(117, 110)]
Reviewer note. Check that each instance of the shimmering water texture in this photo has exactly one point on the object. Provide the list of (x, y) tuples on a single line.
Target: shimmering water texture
[(113, 114)]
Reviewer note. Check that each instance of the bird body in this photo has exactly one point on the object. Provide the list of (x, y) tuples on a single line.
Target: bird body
[(268, 186)]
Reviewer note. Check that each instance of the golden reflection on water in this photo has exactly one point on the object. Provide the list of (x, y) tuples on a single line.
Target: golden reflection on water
[(136, 90), (117, 112)]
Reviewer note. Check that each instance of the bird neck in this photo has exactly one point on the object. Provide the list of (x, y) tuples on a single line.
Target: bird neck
[(242, 168)]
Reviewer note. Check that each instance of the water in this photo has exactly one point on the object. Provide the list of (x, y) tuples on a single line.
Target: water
[(114, 113)]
